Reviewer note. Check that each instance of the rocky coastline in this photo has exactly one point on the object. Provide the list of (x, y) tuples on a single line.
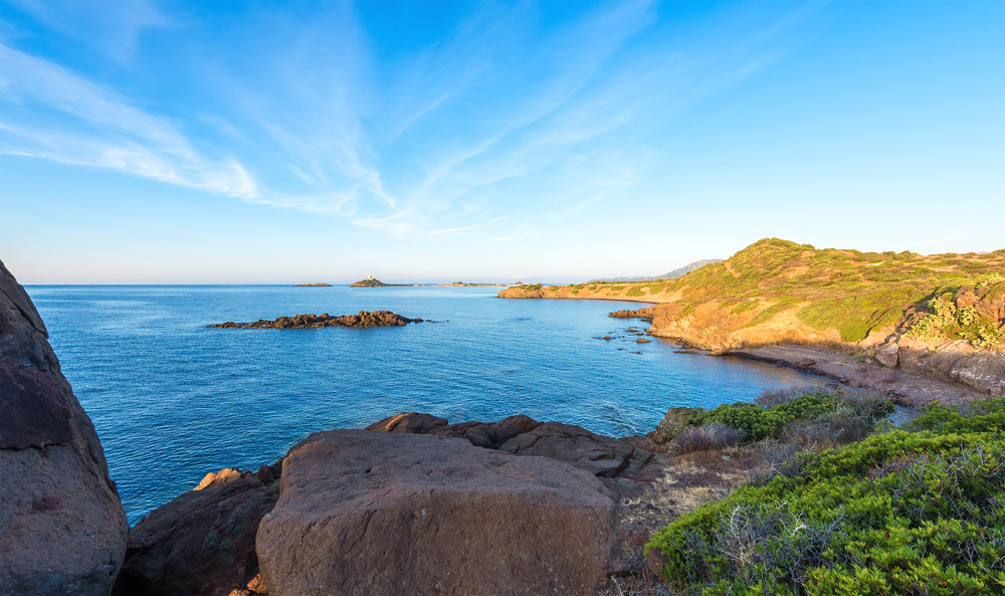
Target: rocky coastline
[(365, 319), (410, 504)]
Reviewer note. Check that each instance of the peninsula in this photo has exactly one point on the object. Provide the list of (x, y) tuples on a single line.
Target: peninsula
[(938, 316)]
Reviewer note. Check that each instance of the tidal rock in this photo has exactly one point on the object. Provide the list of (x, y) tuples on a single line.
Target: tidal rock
[(366, 512), (62, 527), (202, 542)]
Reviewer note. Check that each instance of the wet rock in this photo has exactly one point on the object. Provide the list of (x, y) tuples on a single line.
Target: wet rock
[(642, 340), (393, 513), (62, 526), (202, 542)]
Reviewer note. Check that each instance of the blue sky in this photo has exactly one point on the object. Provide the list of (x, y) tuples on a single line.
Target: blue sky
[(227, 142)]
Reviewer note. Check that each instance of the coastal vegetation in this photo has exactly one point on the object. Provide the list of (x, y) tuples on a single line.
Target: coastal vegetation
[(915, 511), (777, 290)]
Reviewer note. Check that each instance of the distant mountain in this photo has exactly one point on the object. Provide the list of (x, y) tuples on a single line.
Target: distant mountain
[(682, 271), (670, 274)]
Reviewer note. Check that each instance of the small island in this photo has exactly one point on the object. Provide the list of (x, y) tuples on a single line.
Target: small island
[(377, 318), (317, 285), (369, 282)]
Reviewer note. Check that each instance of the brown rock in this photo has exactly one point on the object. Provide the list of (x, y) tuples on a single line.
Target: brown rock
[(62, 527), (377, 318), (376, 513), (201, 543), (412, 422), (602, 456), (888, 355), (982, 371)]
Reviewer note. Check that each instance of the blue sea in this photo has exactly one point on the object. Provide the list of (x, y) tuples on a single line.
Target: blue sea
[(173, 400)]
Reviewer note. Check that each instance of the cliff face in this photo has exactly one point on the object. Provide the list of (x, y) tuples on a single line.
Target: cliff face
[(62, 526)]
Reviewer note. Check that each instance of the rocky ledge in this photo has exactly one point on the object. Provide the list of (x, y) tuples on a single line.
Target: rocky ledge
[(377, 318), (412, 504)]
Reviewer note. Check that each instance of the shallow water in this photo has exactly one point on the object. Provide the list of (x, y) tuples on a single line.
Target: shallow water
[(173, 400)]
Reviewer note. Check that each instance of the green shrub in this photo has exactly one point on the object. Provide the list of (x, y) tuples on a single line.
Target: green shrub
[(634, 291), (948, 321), (898, 513), (757, 422), (986, 415)]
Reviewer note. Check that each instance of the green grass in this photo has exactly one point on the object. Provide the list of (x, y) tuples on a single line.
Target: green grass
[(851, 291)]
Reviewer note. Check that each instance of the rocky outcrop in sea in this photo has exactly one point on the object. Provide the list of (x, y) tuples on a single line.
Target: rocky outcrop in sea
[(377, 318)]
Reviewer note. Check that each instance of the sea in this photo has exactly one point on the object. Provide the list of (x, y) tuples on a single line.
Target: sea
[(173, 399)]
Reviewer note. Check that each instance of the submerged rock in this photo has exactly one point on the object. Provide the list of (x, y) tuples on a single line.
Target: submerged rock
[(365, 512), (62, 526)]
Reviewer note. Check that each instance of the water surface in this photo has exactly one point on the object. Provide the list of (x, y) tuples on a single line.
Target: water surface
[(173, 400)]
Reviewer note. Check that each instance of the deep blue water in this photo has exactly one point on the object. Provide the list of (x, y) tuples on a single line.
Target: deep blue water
[(173, 400)]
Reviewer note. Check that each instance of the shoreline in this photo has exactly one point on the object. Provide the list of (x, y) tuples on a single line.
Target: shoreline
[(913, 386)]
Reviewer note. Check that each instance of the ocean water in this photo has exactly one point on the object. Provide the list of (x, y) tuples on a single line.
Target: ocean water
[(173, 400)]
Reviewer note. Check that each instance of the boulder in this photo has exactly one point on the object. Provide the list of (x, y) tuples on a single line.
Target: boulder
[(202, 542), (984, 371), (623, 466), (62, 526), (601, 456), (888, 355), (366, 512)]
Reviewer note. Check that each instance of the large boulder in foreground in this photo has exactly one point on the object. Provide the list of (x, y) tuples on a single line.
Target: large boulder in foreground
[(202, 542), (365, 512), (62, 526)]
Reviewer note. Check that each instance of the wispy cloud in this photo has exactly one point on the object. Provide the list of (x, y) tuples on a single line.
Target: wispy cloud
[(111, 30), (502, 114), (103, 130)]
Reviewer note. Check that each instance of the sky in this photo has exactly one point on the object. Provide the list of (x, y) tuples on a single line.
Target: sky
[(279, 142)]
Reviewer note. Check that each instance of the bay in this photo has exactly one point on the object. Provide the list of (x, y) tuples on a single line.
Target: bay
[(173, 400)]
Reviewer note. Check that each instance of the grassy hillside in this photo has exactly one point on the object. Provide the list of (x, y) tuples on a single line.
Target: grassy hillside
[(779, 290)]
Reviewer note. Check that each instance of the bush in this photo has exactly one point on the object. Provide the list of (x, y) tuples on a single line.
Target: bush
[(705, 438), (987, 415), (898, 513), (837, 409)]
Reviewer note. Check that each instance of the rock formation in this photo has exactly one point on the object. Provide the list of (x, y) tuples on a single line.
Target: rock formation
[(622, 467), (62, 526), (364, 512), (202, 542), (377, 318)]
